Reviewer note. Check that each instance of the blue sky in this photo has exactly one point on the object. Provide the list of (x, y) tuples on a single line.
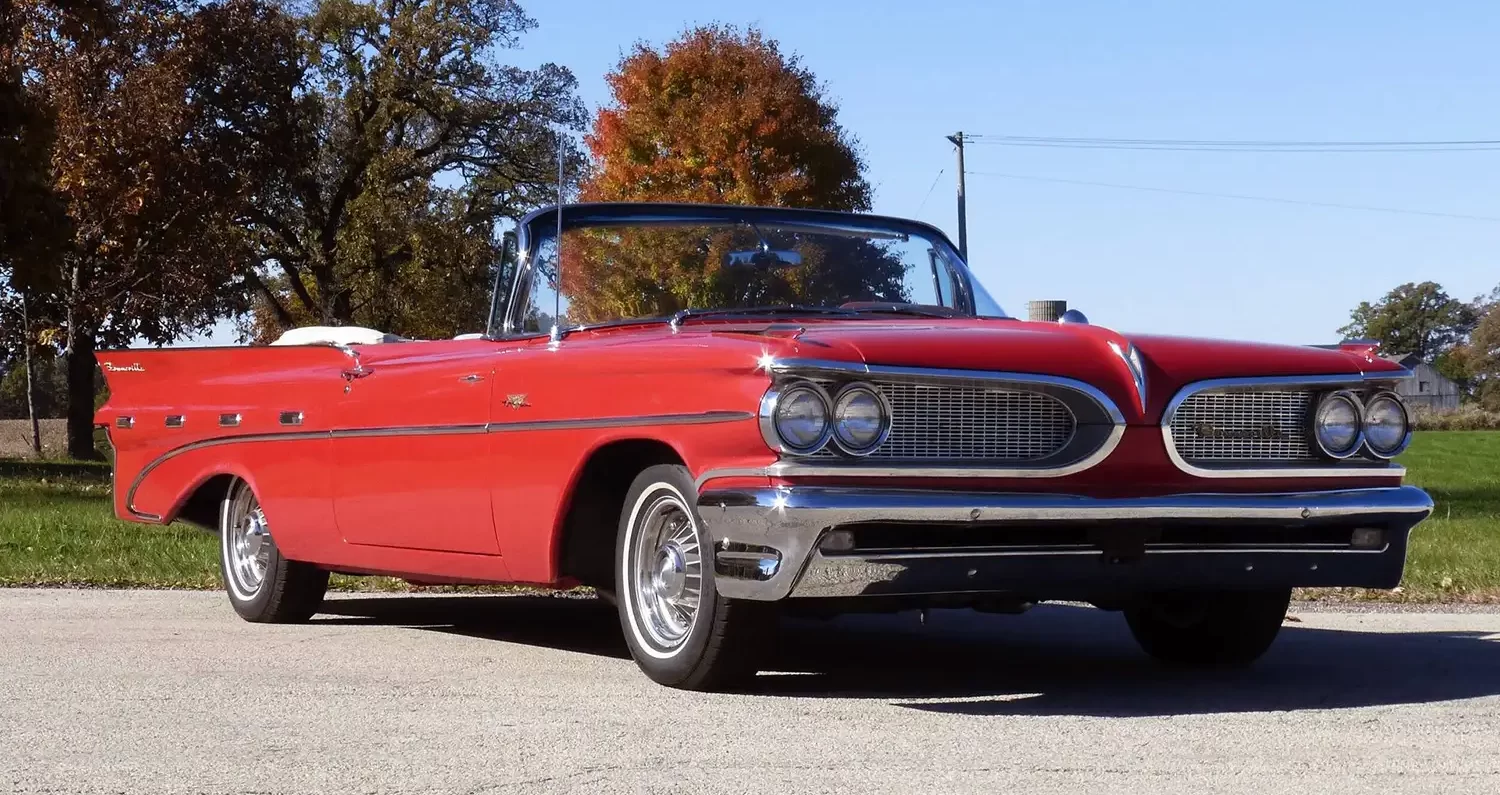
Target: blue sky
[(905, 74)]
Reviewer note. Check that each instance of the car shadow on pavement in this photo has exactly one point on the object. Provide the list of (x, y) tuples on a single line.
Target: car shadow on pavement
[(1054, 660), (583, 625)]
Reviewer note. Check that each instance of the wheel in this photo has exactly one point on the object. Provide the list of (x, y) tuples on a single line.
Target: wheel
[(263, 586), (1216, 629), (680, 631)]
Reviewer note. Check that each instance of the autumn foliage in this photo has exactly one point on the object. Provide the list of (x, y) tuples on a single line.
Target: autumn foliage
[(717, 117)]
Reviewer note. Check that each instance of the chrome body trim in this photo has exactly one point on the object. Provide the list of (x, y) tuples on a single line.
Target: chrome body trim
[(423, 430), (792, 521), (229, 420), (175, 420), (290, 418), (1371, 470), (1132, 358), (861, 469), (702, 418), (1022, 380), (126, 422)]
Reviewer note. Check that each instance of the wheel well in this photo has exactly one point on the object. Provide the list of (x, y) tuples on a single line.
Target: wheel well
[(593, 512), (202, 506)]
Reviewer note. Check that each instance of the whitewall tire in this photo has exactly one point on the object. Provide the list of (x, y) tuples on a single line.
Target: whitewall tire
[(679, 630)]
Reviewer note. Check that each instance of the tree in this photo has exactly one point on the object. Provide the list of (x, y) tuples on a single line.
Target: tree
[(410, 143), (1413, 318), (721, 117), (161, 113), (1482, 354)]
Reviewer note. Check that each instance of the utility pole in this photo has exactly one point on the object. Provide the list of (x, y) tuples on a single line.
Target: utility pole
[(963, 214)]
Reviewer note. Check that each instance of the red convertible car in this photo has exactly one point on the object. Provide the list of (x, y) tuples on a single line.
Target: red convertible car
[(715, 414)]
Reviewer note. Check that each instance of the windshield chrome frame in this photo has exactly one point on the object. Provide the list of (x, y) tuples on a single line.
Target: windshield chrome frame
[(540, 224)]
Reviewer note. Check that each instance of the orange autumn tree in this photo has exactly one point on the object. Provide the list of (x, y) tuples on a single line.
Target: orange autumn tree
[(719, 117)]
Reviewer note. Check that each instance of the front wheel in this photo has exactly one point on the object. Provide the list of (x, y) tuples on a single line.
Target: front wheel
[(680, 631), (263, 586), (1216, 629)]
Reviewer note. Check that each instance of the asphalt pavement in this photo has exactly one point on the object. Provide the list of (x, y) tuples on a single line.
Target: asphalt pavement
[(169, 692)]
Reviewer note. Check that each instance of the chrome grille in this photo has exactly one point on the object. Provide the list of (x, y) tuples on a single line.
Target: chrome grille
[(970, 422), (1244, 425)]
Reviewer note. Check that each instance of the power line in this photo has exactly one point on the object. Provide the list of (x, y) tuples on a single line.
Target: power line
[(930, 189), (1254, 144), (1217, 149), (1240, 196)]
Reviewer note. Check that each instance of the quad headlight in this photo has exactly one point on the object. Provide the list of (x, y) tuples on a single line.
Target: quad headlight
[(1338, 425), (798, 418), (1387, 425), (861, 420)]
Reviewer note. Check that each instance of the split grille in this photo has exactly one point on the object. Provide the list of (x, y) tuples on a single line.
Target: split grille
[(1244, 425), (969, 422)]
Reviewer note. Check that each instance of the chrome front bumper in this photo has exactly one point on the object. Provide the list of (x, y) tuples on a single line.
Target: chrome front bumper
[(775, 543)]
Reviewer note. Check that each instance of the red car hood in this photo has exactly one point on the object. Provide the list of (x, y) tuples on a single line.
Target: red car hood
[(1078, 351)]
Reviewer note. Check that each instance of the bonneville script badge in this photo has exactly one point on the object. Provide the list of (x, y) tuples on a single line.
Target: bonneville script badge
[(134, 367), (1256, 432)]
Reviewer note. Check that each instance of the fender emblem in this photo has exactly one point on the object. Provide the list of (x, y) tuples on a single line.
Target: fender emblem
[(516, 401), (125, 368)]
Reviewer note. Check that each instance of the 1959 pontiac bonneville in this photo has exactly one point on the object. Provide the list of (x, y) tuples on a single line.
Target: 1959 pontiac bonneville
[(712, 414)]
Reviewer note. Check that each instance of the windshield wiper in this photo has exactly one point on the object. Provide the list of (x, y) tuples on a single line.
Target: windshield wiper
[(914, 310), (775, 309)]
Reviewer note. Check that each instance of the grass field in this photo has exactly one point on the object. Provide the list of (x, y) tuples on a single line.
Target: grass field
[(56, 529)]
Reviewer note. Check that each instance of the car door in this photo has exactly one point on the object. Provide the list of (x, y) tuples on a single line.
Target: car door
[(409, 449)]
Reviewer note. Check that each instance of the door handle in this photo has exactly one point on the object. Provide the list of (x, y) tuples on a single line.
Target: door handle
[(472, 378)]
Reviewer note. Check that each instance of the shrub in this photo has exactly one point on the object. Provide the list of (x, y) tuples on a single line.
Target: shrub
[(1466, 418)]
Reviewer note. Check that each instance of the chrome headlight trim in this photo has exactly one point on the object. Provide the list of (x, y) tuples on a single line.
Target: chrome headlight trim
[(1356, 406), (772, 401), (1347, 469), (1394, 399), (885, 419)]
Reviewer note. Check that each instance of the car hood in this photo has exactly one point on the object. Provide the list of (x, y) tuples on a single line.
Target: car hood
[(1091, 354)]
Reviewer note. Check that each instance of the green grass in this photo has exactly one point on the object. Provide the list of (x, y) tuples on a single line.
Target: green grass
[(56, 529), (1455, 554)]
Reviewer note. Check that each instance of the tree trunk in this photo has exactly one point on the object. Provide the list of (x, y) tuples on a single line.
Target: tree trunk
[(36, 425), (81, 396)]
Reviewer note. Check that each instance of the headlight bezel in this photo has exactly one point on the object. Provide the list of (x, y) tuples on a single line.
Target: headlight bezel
[(1356, 406), (1386, 454), (770, 409), (849, 390)]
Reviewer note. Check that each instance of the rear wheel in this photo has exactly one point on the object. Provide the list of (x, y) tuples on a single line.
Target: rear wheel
[(679, 630), (263, 586), (1217, 629)]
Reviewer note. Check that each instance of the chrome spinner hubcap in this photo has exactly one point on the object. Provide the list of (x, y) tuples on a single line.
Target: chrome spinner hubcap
[(667, 571), (247, 542)]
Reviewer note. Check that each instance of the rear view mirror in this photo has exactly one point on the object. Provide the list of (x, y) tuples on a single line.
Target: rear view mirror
[(762, 258)]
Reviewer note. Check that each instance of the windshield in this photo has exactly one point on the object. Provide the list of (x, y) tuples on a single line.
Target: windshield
[(751, 262)]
